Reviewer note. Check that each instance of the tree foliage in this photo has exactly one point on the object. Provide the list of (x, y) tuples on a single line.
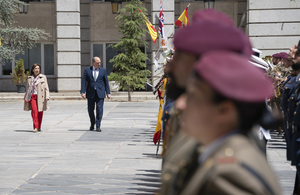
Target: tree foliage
[(7, 10), (14, 38), (129, 65), (19, 77)]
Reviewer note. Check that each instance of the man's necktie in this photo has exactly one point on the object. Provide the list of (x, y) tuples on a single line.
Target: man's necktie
[(95, 75)]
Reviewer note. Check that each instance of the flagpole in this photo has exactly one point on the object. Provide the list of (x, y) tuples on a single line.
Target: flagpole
[(170, 30)]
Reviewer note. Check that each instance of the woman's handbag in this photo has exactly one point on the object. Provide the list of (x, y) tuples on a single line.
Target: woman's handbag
[(28, 94), (30, 89)]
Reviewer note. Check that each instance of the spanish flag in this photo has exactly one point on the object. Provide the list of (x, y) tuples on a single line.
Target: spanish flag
[(183, 19), (157, 132), (152, 31)]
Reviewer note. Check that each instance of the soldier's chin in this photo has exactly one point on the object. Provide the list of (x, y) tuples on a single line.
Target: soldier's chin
[(173, 91)]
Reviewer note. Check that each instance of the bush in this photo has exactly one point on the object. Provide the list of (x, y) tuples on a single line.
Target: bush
[(19, 76)]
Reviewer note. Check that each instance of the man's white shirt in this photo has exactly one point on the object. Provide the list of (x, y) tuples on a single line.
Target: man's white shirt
[(97, 72)]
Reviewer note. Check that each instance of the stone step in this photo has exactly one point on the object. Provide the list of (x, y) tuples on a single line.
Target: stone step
[(116, 96)]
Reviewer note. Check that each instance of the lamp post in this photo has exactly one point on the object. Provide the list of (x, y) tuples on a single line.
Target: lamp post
[(115, 5), (23, 9), (209, 4)]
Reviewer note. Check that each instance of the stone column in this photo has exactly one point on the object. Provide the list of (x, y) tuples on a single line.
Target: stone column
[(68, 45), (168, 7)]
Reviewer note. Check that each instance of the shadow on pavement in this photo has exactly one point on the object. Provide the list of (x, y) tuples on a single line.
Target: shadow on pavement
[(283, 147), (274, 140), (152, 155), (28, 131), (146, 181), (77, 130), (277, 144)]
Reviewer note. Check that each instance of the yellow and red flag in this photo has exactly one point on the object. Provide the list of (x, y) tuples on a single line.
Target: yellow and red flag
[(157, 132), (152, 31), (183, 19)]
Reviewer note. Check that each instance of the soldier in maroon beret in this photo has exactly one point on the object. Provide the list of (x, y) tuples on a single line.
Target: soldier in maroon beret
[(276, 58), (210, 30), (204, 36), (279, 75), (221, 109)]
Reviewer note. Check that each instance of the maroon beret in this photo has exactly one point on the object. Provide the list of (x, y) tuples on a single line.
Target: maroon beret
[(276, 55), (212, 15), (203, 36), (284, 55), (234, 77)]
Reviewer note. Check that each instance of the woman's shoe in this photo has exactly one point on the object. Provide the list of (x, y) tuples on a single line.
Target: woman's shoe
[(39, 130), (35, 130)]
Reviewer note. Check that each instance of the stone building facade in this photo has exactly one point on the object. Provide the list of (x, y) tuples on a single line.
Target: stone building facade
[(81, 29), (273, 26)]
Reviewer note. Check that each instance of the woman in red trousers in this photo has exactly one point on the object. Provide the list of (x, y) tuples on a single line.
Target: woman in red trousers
[(37, 96)]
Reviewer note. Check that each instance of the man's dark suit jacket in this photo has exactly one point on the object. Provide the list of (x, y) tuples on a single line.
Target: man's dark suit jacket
[(88, 83)]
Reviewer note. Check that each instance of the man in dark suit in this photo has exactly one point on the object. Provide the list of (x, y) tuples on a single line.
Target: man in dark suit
[(93, 87)]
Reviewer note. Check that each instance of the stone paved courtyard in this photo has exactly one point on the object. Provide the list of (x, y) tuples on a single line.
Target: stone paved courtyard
[(66, 158)]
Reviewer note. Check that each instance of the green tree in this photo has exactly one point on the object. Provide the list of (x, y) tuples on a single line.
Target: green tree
[(14, 38), (130, 69)]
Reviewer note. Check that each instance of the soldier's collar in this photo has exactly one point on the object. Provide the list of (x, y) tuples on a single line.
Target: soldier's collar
[(297, 78), (208, 150)]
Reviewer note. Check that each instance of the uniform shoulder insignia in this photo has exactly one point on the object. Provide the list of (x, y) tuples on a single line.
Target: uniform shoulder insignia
[(226, 160), (229, 157)]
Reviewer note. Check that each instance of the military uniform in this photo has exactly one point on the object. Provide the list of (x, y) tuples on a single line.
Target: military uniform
[(276, 102), (179, 157), (172, 128), (165, 123), (178, 153), (229, 163), (287, 105), (166, 113), (293, 116), (296, 126), (232, 166)]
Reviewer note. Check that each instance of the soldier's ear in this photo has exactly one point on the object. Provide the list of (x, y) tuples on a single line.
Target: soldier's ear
[(227, 113), (225, 107)]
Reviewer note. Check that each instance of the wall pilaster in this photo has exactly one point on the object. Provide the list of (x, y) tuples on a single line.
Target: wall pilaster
[(68, 45), (169, 8)]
